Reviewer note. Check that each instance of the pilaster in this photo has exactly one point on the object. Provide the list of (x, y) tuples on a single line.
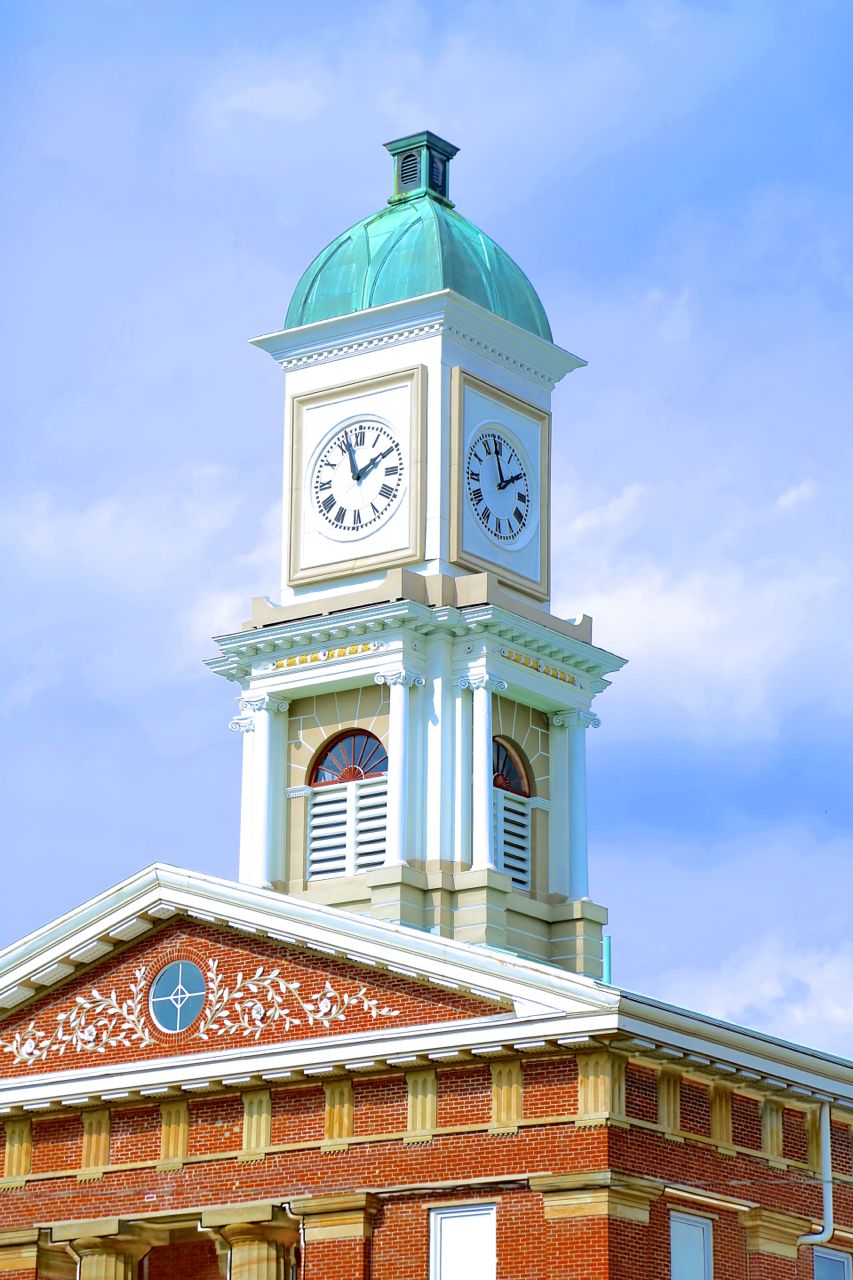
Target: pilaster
[(262, 722), (337, 1231)]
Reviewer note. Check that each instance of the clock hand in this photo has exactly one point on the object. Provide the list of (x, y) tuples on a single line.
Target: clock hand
[(504, 484), (353, 468), (374, 462), (501, 482)]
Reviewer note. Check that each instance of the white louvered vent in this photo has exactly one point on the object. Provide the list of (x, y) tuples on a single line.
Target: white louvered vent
[(512, 836), (346, 828)]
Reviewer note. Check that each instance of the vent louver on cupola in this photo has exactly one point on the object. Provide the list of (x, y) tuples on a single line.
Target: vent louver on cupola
[(409, 169)]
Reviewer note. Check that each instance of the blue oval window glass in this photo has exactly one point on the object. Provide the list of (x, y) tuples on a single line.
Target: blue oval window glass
[(177, 995)]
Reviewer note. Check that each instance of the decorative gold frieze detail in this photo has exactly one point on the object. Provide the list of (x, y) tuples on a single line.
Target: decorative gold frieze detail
[(174, 1131), (257, 1122), (19, 1148), (323, 655), (337, 1117), (422, 1104), (507, 1094), (536, 664), (96, 1139)]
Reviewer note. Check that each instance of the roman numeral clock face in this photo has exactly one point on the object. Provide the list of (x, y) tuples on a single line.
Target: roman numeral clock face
[(498, 487), (357, 479)]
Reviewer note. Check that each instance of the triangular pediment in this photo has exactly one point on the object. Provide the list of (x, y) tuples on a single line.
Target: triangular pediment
[(280, 987)]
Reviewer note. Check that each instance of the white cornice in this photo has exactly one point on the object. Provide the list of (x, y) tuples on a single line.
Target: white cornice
[(434, 314)]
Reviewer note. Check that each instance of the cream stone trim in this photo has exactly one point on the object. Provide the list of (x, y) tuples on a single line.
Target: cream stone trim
[(174, 1131), (344, 1217), (669, 1101), (422, 1101), (257, 1123), (18, 1250), (507, 1095), (260, 1251), (601, 1087), (338, 1112), (96, 1140), (600, 1194), (772, 1110), (460, 380), (347, 561), (721, 1115), (18, 1158), (775, 1233)]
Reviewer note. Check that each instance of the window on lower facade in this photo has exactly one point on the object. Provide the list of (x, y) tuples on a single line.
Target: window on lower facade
[(512, 813), (347, 806), (691, 1248), (462, 1243), (829, 1264)]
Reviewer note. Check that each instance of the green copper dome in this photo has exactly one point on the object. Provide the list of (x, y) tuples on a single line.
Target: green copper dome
[(417, 245)]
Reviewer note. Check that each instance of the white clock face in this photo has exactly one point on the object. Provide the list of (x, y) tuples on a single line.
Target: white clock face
[(497, 486), (357, 478)]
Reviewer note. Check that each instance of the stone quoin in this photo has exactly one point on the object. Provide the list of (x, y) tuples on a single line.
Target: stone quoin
[(391, 1050)]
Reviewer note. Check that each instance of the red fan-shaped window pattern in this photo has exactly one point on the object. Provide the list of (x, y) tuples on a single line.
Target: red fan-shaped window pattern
[(508, 771), (350, 757)]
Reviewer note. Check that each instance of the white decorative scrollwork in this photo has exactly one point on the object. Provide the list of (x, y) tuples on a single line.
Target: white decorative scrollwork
[(406, 678), (256, 1002), (94, 1024)]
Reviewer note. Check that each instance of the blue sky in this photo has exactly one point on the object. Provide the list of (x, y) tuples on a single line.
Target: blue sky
[(676, 180)]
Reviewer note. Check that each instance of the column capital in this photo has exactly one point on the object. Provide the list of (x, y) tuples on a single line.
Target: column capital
[(253, 702), (406, 678), (483, 681), (336, 1217), (575, 719)]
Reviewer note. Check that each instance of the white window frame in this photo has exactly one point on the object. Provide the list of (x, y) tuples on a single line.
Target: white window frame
[(437, 1218), (834, 1255), (695, 1220)]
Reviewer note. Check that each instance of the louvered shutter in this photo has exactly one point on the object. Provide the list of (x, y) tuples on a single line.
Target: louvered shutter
[(512, 836)]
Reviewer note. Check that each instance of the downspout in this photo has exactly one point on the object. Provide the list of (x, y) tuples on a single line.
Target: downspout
[(820, 1237)]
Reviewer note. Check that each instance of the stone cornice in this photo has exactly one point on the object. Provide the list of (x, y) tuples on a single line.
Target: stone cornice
[(442, 314)]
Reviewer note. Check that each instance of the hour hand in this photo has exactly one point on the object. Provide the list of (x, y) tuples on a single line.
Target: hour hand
[(504, 484), (374, 462)]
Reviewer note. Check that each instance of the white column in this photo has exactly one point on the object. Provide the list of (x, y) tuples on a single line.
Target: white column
[(263, 723), (397, 829), (440, 753), (464, 773), (482, 826), (579, 722), (558, 818)]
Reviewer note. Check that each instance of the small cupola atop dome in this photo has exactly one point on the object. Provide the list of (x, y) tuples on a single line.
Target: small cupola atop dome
[(421, 164), (416, 244)]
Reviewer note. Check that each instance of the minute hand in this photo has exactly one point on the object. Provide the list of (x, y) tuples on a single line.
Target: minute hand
[(374, 462), (504, 484)]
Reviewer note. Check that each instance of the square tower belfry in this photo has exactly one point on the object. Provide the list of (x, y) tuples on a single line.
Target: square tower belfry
[(413, 717)]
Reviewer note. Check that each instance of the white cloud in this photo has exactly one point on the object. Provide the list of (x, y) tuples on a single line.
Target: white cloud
[(797, 496)]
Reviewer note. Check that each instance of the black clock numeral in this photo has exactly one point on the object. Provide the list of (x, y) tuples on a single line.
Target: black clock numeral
[(497, 525), (517, 515), (477, 456), (374, 508), (328, 503), (487, 447), (477, 495), (340, 515), (386, 491), (324, 484), (358, 437), (521, 496), (487, 515), (391, 471), (510, 532), (356, 519), (342, 445), (475, 476)]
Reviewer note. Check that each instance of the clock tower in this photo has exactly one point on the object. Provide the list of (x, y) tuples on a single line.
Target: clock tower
[(413, 717)]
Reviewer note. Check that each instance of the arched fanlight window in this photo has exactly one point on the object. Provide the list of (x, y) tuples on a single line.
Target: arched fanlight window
[(511, 811), (347, 807), (508, 771), (349, 757)]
